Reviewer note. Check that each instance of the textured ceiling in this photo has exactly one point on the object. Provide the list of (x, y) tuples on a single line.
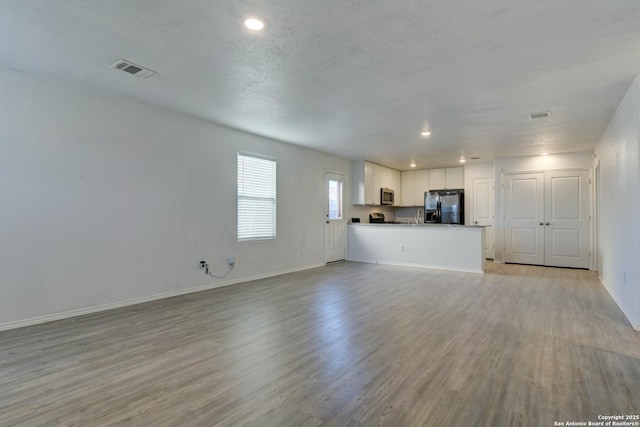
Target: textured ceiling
[(357, 78)]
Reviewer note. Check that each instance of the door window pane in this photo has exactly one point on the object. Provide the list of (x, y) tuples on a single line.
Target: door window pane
[(335, 199)]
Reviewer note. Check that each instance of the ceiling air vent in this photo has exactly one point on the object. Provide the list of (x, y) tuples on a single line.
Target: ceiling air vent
[(132, 68), (540, 115)]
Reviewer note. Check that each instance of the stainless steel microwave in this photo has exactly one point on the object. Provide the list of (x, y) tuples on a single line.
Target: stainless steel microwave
[(386, 196)]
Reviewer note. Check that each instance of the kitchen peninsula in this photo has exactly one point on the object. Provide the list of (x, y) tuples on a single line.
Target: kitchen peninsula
[(439, 246)]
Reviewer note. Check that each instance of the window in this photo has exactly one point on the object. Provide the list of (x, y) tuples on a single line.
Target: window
[(335, 199), (256, 198)]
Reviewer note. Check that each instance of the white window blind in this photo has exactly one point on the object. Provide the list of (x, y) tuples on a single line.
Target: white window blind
[(256, 198)]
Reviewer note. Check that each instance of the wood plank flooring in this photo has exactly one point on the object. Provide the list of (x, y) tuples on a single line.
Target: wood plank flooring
[(343, 345)]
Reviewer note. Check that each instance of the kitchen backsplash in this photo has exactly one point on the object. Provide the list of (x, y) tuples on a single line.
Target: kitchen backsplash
[(410, 215), (390, 213), (362, 212)]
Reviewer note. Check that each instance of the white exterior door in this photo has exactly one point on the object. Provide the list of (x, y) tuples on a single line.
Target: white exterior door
[(483, 211), (335, 234), (567, 219), (524, 218)]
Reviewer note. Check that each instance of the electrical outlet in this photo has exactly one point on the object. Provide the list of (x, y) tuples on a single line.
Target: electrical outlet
[(231, 260), (401, 248)]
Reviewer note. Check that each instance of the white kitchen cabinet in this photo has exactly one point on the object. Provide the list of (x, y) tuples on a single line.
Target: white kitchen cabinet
[(454, 178), (446, 178), (436, 179), (407, 189), (379, 177), (369, 178), (394, 182), (363, 193), (368, 184), (414, 185), (384, 177), (421, 186)]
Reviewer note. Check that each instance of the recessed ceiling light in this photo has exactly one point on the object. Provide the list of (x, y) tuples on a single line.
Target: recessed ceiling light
[(425, 133), (462, 160), (412, 164), (254, 24), (544, 154)]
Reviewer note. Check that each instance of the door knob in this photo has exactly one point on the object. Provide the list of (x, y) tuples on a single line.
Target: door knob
[(547, 224), (542, 223), (475, 222), (328, 222)]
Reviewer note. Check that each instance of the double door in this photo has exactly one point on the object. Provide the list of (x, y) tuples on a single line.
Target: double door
[(547, 218)]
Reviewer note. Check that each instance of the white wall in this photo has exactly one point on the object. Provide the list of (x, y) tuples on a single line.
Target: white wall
[(618, 155), (580, 160), (105, 199)]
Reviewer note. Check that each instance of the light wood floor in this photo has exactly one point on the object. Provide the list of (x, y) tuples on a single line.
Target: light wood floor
[(344, 345)]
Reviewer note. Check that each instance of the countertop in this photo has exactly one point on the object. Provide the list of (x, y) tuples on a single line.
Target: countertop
[(364, 224)]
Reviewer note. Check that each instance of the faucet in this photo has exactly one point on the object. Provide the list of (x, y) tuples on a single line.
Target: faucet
[(417, 216)]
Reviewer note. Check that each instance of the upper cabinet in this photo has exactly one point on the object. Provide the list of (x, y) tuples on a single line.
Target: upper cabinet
[(446, 178), (421, 186), (379, 178), (413, 184), (409, 186), (369, 178), (362, 182), (454, 178), (436, 179), (407, 189), (394, 181)]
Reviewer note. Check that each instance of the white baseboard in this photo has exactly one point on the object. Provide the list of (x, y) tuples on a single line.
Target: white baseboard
[(635, 322), (433, 267), (110, 306)]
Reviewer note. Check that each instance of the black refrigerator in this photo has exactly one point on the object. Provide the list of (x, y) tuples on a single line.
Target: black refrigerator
[(444, 207)]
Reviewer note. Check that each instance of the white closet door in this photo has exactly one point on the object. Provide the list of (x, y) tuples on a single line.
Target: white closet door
[(524, 218), (567, 219)]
